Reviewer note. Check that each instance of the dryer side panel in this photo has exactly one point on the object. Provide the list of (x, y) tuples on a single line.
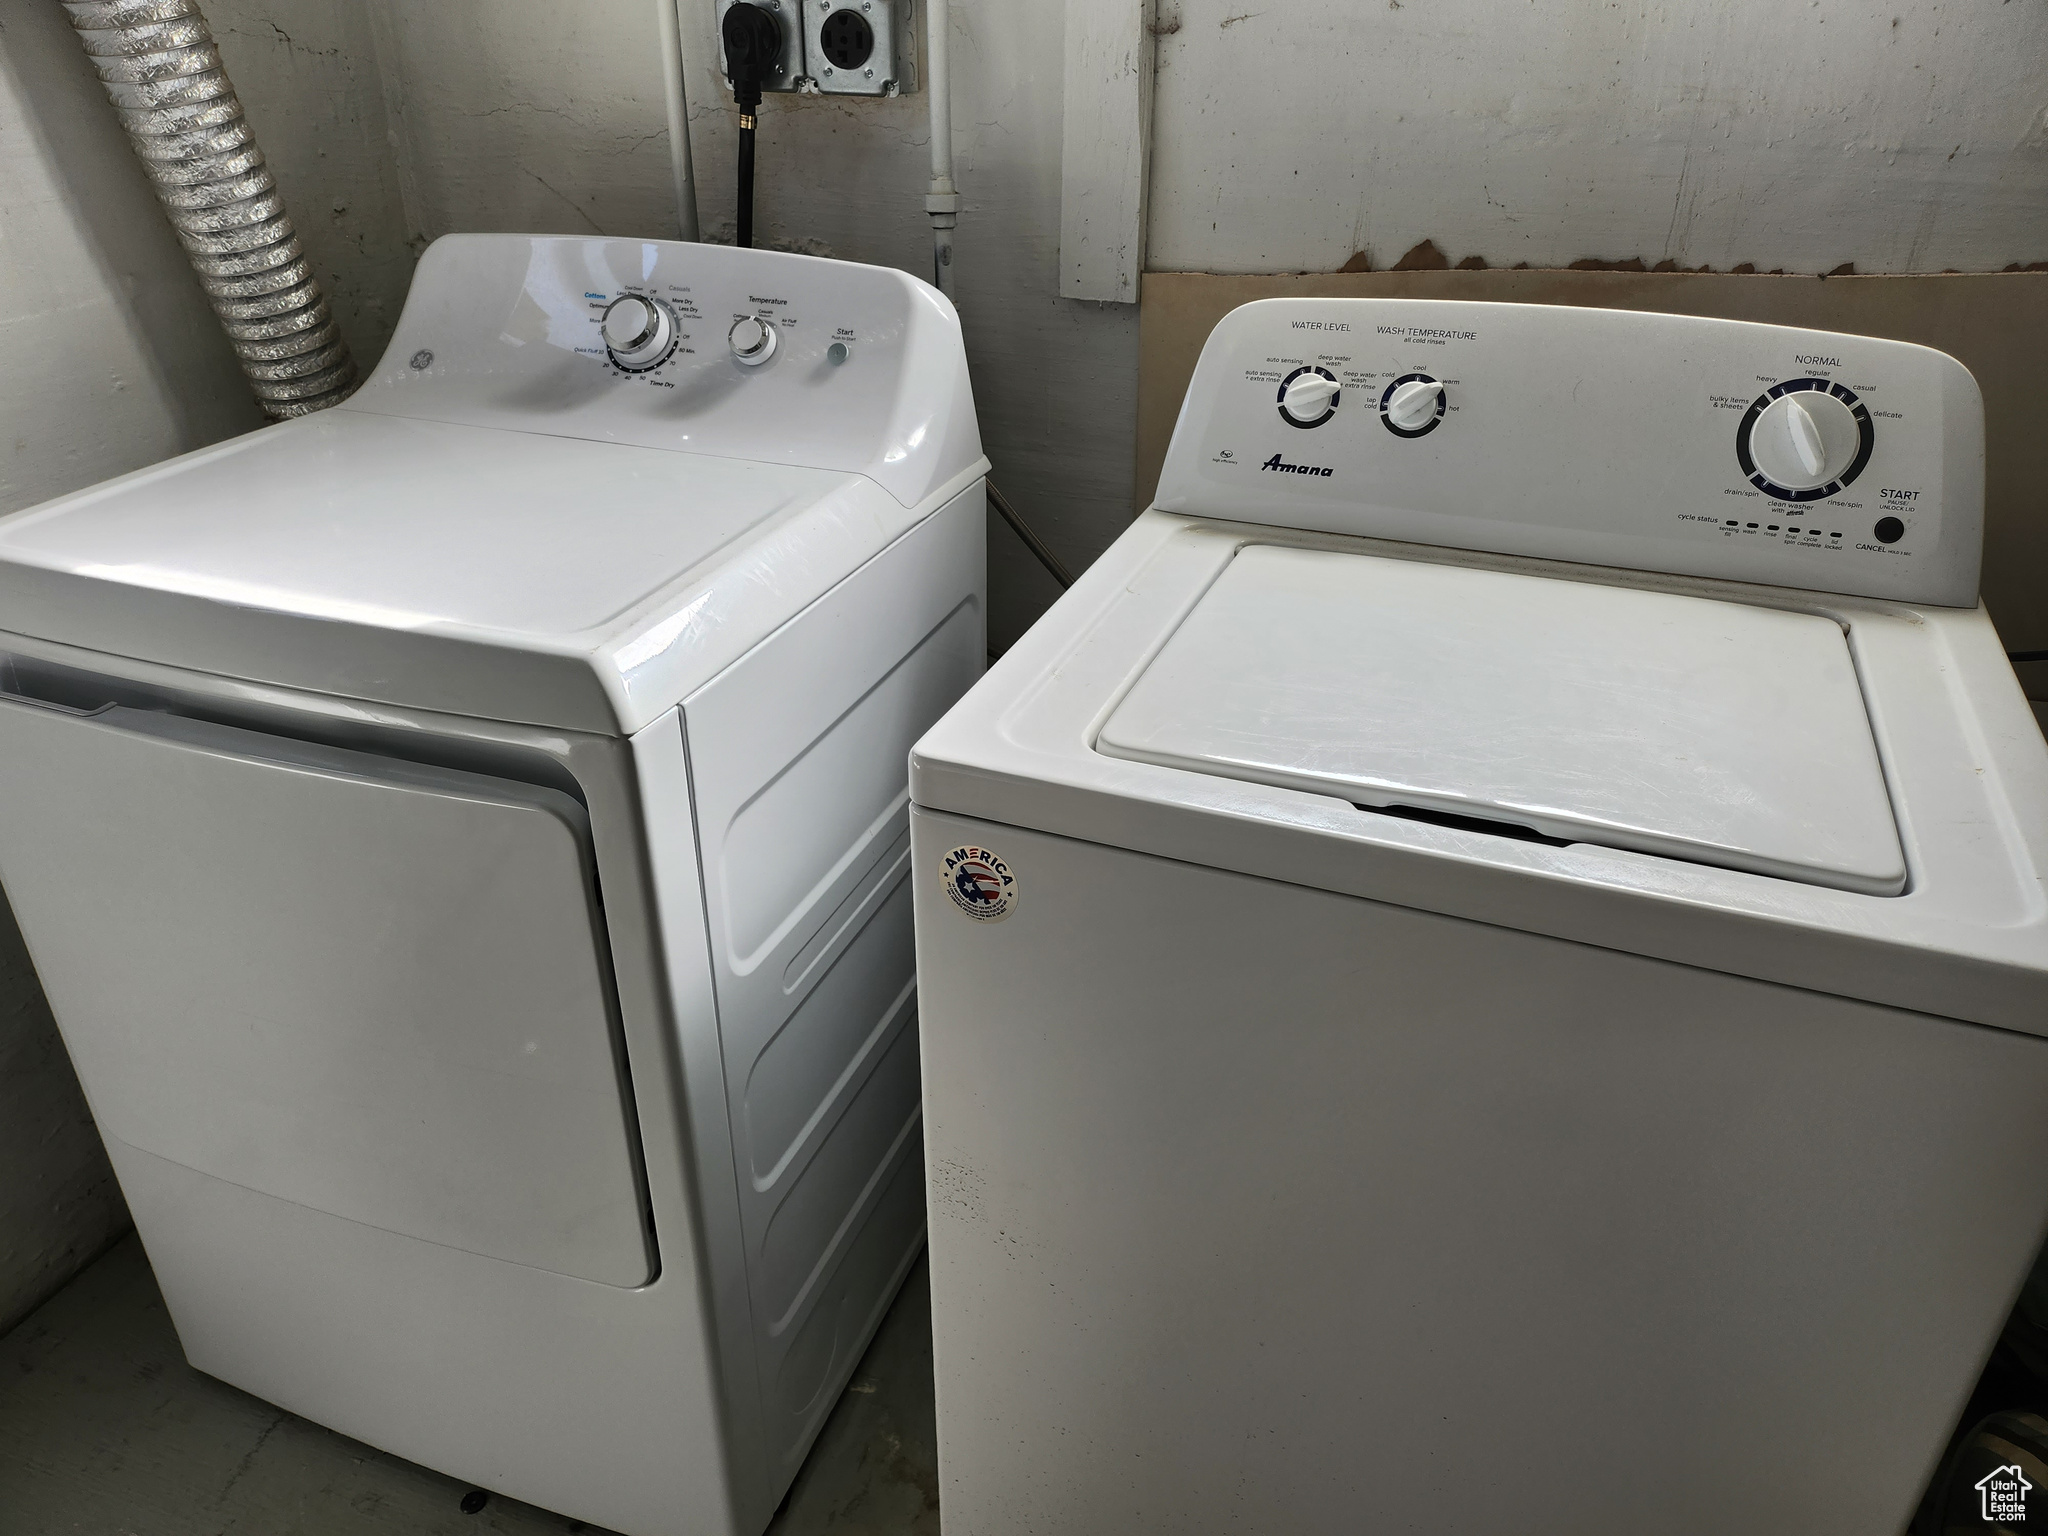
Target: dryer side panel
[(799, 760)]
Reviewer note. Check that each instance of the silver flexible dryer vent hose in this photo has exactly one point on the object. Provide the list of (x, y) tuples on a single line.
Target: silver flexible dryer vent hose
[(163, 73)]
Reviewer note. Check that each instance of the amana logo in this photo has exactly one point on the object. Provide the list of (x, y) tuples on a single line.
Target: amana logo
[(1275, 462)]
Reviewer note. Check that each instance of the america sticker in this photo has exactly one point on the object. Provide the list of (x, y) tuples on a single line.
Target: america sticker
[(980, 883)]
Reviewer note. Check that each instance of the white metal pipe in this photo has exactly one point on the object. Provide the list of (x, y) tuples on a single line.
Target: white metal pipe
[(678, 101), (943, 203)]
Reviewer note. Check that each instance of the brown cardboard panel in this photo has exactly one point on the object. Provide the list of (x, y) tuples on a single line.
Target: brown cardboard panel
[(1995, 323)]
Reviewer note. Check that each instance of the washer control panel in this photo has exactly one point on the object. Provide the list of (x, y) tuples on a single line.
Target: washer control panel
[(1652, 442)]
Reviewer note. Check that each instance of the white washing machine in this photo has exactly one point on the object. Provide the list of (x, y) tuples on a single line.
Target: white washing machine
[(463, 838), (1485, 968)]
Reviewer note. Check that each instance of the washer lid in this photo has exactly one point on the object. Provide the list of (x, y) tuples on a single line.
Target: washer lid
[(1715, 732)]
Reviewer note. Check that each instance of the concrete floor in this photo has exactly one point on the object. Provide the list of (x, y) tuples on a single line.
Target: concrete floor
[(105, 1431)]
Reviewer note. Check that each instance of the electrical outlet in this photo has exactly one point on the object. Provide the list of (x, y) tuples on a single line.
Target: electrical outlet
[(859, 47), (789, 63)]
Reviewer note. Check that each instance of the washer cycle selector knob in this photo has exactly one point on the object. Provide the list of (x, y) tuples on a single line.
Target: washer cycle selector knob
[(638, 331), (1804, 439), (1308, 397), (753, 340), (1413, 405)]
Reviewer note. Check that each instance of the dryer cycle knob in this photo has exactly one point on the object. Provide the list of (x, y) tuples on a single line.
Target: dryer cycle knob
[(638, 331), (753, 340)]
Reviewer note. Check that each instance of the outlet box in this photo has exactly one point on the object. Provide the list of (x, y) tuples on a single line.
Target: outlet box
[(859, 47), (789, 63)]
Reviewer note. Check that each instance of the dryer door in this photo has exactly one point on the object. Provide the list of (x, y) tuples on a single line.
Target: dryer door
[(372, 987)]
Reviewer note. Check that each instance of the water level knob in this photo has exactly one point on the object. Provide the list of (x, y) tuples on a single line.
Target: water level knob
[(1309, 399)]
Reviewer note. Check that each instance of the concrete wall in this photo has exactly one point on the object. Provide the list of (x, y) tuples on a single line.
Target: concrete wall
[(311, 83), (111, 357), (59, 1205)]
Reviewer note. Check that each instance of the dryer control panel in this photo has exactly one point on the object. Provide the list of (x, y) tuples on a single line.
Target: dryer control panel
[(1652, 442), (700, 348)]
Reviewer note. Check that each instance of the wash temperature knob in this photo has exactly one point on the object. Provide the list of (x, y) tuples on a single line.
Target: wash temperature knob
[(1414, 403), (637, 331), (753, 340)]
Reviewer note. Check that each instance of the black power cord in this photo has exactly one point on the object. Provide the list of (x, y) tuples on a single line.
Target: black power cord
[(753, 41), (1052, 562)]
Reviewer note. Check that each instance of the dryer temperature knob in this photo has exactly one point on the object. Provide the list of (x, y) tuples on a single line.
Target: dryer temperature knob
[(753, 340)]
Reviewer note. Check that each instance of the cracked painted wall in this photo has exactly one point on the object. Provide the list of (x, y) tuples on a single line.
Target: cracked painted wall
[(1289, 135), (113, 359), (310, 80)]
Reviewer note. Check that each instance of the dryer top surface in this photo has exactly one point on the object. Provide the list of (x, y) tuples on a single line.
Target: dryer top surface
[(408, 524)]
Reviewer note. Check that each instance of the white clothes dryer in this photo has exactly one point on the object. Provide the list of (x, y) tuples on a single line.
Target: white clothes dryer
[(1486, 967), (463, 838)]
